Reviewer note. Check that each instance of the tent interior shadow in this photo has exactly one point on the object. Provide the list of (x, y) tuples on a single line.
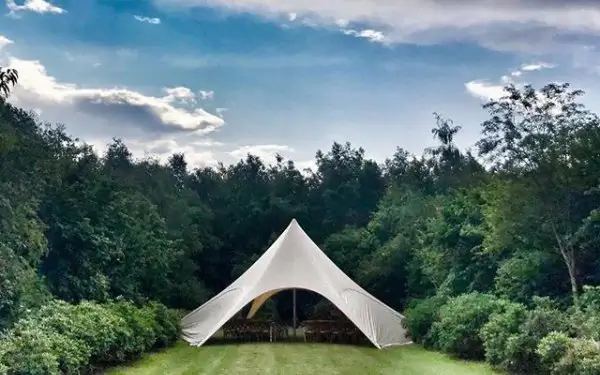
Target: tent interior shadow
[(316, 312)]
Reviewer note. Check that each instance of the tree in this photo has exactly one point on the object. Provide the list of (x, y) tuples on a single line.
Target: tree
[(546, 141), (8, 79)]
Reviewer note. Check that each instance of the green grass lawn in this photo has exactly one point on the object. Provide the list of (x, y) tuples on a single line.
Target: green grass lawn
[(299, 358)]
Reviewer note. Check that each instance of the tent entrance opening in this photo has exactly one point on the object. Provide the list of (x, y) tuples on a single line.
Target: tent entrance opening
[(270, 318)]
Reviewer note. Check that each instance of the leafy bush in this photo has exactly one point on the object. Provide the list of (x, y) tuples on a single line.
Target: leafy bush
[(420, 316), (461, 319), (166, 325), (564, 355), (511, 337), (585, 318), (499, 332), (61, 338)]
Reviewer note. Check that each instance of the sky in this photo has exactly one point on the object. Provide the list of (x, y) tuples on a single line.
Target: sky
[(217, 79)]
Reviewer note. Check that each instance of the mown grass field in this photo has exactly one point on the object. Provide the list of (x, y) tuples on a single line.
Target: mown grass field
[(299, 358)]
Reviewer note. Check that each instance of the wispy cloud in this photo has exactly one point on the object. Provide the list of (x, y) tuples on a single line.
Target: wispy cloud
[(36, 6), (537, 66), (150, 20), (371, 35), (206, 95), (485, 90)]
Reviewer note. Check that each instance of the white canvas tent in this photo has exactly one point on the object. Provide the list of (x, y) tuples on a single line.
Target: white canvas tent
[(294, 261)]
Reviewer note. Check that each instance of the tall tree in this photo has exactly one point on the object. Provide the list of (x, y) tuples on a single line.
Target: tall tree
[(549, 142)]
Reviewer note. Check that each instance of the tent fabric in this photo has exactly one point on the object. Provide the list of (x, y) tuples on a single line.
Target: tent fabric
[(259, 301), (295, 261)]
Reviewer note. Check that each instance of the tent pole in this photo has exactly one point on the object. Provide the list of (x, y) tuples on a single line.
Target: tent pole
[(295, 318)]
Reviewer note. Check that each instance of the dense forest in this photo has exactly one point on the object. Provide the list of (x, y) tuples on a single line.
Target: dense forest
[(491, 254)]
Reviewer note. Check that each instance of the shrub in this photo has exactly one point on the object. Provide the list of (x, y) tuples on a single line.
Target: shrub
[(420, 316), (511, 337), (140, 322), (461, 319), (498, 333), (37, 350), (564, 355), (61, 338), (585, 318), (166, 325)]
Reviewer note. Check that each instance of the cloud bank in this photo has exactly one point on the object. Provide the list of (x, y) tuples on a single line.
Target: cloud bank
[(523, 25)]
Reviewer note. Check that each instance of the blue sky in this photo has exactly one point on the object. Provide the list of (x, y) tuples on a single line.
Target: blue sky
[(219, 78)]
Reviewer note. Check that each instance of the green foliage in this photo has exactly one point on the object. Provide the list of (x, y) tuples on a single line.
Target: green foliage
[(511, 337), (452, 254), (420, 317), (585, 318), (61, 338), (457, 331), (525, 275), (348, 247), (88, 229), (564, 355)]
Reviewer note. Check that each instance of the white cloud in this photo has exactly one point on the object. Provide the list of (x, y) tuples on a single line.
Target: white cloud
[(220, 111), (371, 35), (306, 164), (509, 24), (37, 87), (4, 41), (487, 91), (537, 66), (36, 6), (180, 93), (150, 20), (292, 17), (197, 153), (265, 152), (484, 90), (206, 95)]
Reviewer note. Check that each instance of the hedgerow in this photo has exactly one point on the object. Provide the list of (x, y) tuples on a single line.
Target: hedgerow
[(61, 338)]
